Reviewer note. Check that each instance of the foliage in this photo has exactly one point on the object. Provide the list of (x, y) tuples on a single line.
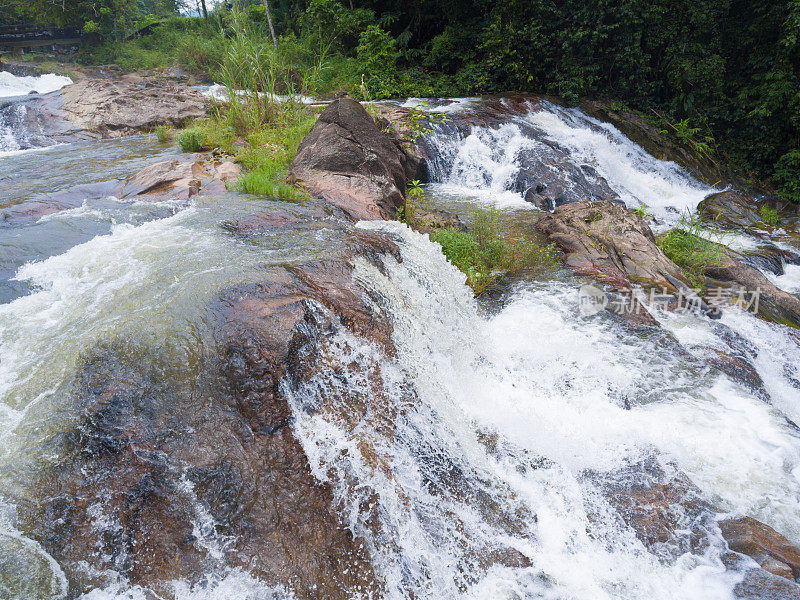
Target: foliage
[(769, 216), (192, 140), (377, 53), (693, 253), (787, 175), (415, 200), (164, 134), (700, 141), (485, 254), (420, 122), (725, 73)]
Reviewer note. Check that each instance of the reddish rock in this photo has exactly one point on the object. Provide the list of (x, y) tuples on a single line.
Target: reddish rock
[(349, 162), (763, 544)]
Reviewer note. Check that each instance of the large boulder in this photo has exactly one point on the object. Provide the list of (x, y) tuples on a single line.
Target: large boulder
[(608, 241), (100, 108), (113, 107), (175, 468), (348, 161)]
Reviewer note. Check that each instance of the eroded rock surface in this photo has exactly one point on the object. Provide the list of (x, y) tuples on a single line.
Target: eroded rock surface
[(113, 107), (610, 242), (159, 445), (348, 161)]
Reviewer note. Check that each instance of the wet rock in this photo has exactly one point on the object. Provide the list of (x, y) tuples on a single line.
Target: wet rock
[(395, 122), (759, 584), (432, 220), (665, 510), (757, 292), (738, 368), (730, 210), (610, 242), (763, 544), (159, 444), (181, 179), (352, 164)]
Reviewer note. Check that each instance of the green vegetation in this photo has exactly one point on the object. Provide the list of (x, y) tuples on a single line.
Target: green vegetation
[(693, 253), (164, 134), (723, 73), (769, 216), (192, 140), (485, 254)]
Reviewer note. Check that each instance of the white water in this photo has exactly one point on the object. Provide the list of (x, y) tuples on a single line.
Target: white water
[(12, 85), (488, 432), (486, 162), (551, 386), (789, 281)]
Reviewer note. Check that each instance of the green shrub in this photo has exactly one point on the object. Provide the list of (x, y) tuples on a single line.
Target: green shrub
[(164, 134), (691, 252), (266, 182), (769, 216), (485, 254), (787, 175), (377, 53), (192, 140)]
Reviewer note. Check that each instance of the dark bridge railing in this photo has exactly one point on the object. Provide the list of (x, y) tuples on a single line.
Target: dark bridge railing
[(19, 36)]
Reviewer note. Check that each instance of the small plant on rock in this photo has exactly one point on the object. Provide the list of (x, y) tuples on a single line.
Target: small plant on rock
[(485, 254), (769, 216), (164, 134), (192, 140), (692, 252)]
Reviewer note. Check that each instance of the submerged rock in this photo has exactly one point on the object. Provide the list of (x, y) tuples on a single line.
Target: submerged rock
[(348, 161), (174, 470)]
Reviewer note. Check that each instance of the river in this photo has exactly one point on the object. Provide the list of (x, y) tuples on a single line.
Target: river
[(525, 411)]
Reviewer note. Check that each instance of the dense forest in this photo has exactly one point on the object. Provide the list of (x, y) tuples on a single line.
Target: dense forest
[(725, 72)]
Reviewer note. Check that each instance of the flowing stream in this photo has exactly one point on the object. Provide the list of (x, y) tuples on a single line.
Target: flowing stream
[(525, 410)]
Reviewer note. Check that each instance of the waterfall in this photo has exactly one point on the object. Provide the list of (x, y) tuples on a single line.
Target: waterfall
[(476, 459), (12, 85), (563, 154)]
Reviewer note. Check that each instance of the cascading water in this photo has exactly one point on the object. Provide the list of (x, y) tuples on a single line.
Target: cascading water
[(481, 465), (561, 153), (13, 85)]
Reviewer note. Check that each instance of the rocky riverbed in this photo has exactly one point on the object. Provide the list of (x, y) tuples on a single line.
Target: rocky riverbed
[(306, 392)]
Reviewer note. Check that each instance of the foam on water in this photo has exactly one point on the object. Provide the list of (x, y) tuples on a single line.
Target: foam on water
[(789, 281), (635, 175), (533, 385), (12, 85), (485, 162), (232, 585)]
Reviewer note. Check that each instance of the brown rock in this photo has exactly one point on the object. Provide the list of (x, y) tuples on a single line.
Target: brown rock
[(610, 242), (773, 303), (113, 107), (763, 544), (349, 162)]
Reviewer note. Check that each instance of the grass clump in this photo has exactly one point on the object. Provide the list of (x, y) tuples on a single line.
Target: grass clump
[(164, 134), (693, 253), (486, 253), (192, 140), (769, 216)]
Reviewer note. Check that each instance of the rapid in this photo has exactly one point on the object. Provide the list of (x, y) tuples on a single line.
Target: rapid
[(513, 418)]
